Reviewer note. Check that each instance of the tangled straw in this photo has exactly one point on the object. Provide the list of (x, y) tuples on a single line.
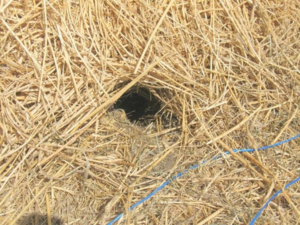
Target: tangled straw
[(271, 199), (205, 161)]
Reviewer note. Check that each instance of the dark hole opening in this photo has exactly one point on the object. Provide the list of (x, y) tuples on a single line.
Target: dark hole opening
[(139, 104)]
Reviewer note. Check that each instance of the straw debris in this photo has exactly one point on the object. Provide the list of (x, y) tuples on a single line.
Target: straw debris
[(225, 75)]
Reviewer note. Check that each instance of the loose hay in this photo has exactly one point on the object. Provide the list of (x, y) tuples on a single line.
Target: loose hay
[(228, 71)]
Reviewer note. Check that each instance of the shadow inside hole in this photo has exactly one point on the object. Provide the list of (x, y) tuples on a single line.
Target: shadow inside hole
[(38, 219), (139, 104)]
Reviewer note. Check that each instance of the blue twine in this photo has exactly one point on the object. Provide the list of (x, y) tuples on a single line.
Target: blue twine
[(202, 163), (271, 199)]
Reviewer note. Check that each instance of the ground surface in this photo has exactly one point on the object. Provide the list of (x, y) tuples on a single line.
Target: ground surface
[(227, 76)]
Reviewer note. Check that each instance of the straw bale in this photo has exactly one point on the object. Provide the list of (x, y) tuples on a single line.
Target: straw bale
[(227, 74)]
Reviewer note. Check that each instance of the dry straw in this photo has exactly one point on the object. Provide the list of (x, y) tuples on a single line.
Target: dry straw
[(227, 71)]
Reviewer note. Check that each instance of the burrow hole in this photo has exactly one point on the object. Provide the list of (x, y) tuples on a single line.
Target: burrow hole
[(139, 104)]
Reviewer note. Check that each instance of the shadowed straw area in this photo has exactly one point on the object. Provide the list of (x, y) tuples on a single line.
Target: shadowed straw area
[(227, 71)]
